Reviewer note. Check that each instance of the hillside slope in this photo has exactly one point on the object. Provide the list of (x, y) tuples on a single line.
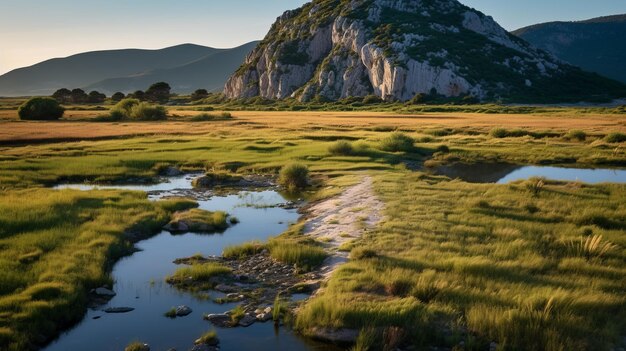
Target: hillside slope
[(186, 67), (209, 72), (597, 45), (395, 49)]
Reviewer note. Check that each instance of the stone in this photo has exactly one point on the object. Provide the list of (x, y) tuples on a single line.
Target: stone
[(104, 292), (172, 172), (118, 309), (340, 336), (221, 320), (183, 310), (263, 317), (225, 288), (247, 320), (176, 227), (267, 310)]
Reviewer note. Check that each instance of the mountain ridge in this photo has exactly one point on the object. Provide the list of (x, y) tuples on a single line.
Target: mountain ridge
[(396, 49), (597, 44), (82, 70)]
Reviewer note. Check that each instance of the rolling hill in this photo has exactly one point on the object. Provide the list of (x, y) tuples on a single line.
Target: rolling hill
[(596, 45), (127, 70)]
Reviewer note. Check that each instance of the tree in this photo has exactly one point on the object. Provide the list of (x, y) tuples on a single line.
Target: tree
[(138, 94), (62, 95), (118, 96), (199, 94), (79, 96), (159, 92), (40, 108), (96, 97)]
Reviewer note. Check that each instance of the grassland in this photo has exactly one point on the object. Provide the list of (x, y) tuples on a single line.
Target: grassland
[(453, 261), (58, 245)]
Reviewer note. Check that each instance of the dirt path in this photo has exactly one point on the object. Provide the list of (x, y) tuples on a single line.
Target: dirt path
[(344, 218)]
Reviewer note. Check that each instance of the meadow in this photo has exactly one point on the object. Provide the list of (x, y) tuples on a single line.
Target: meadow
[(452, 262)]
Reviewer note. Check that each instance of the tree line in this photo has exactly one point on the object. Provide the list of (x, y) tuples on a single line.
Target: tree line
[(158, 92)]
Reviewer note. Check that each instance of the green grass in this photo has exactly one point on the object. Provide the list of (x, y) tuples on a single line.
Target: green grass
[(243, 250), (197, 276), (56, 246), (448, 252), (473, 257), (171, 313), (136, 346), (202, 220), (209, 338)]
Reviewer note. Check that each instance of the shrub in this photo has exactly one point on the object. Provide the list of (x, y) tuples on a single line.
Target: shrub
[(397, 142), (208, 338), (576, 135), (498, 133), (294, 177), (146, 112), (341, 148), (137, 346), (372, 99), (199, 94), (615, 138), (122, 109), (41, 108)]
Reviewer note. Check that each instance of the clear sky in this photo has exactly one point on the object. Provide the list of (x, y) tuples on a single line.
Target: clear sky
[(34, 30)]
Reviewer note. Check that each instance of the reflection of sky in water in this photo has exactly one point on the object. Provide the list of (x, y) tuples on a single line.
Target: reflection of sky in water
[(179, 182), (567, 174), (139, 283), (503, 173)]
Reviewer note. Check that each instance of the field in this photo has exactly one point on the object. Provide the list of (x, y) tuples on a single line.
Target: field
[(451, 262)]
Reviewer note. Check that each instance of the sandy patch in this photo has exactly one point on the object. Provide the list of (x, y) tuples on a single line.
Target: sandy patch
[(344, 218)]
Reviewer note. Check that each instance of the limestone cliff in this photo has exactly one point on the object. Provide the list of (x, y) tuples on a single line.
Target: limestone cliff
[(333, 49)]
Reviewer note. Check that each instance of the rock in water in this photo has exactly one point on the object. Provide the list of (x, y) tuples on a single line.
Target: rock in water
[(220, 320), (119, 309), (397, 49), (247, 320), (183, 310), (104, 292)]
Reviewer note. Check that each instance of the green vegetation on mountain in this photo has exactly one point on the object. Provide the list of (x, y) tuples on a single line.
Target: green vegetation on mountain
[(595, 45)]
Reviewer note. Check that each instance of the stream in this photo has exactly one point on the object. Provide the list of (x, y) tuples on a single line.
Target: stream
[(140, 281)]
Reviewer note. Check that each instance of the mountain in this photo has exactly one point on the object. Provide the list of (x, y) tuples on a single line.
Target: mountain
[(332, 49), (209, 72), (597, 45), (95, 69)]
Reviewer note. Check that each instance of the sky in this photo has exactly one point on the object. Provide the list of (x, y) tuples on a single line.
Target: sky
[(35, 30)]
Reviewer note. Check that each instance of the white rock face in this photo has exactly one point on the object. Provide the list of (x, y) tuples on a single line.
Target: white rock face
[(308, 55)]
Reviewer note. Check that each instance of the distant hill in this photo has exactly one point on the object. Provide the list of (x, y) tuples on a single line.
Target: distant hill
[(209, 72), (128, 70), (597, 45)]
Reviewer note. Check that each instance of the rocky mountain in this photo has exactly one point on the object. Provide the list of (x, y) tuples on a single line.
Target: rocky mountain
[(332, 49), (188, 66), (597, 45)]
